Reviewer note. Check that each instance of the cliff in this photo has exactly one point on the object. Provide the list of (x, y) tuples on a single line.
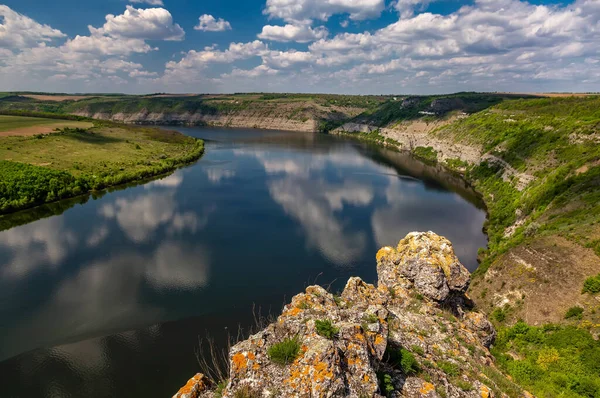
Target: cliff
[(414, 334)]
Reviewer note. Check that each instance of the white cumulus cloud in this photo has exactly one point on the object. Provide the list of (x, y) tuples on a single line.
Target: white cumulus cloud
[(208, 23), (307, 10), (148, 24), (18, 31), (297, 33)]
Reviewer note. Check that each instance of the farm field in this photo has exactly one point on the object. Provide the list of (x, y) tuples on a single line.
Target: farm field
[(28, 126)]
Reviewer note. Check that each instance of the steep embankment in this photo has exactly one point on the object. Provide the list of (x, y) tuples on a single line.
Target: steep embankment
[(537, 164), (414, 334), (296, 114)]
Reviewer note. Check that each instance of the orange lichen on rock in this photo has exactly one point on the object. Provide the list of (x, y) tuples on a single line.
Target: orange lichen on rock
[(193, 387), (322, 372), (292, 312), (484, 391), (426, 388), (239, 362)]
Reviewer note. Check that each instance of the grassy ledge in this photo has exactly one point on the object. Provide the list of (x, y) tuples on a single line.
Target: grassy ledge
[(68, 162)]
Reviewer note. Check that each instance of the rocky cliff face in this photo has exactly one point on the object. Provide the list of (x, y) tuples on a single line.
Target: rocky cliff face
[(413, 335), (240, 119)]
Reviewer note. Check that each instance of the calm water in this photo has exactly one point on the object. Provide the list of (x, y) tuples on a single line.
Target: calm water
[(107, 297)]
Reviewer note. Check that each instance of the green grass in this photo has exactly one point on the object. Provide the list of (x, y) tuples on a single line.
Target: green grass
[(428, 154), (44, 168), (326, 328), (285, 352), (550, 361), (12, 123), (592, 285), (449, 368)]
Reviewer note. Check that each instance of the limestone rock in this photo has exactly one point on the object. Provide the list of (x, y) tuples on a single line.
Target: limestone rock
[(427, 261), (393, 340), (484, 329), (194, 387)]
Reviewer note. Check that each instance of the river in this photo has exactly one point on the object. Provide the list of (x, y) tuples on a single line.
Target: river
[(107, 296)]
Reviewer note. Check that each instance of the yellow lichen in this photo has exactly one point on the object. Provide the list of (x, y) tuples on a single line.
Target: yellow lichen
[(383, 252), (426, 388), (484, 391)]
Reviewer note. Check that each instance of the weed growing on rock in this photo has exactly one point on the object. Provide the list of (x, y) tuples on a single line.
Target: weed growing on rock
[(385, 383), (285, 352), (246, 392), (463, 385), (326, 329), (449, 368), (220, 389), (370, 318), (401, 359)]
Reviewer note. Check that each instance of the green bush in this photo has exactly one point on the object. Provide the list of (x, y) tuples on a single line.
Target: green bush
[(326, 329), (401, 359), (574, 312), (285, 352), (592, 285), (553, 360)]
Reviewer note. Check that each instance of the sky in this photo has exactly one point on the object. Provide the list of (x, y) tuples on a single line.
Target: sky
[(322, 46)]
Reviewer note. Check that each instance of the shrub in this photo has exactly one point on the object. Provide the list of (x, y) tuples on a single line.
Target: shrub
[(402, 359), (326, 329), (574, 312), (592, 285), (284, 352), (499, 315)]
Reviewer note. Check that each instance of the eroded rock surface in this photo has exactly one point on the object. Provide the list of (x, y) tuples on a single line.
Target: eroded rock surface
[(412, 335)]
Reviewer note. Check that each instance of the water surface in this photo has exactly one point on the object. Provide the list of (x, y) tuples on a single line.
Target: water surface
[(107, 296)]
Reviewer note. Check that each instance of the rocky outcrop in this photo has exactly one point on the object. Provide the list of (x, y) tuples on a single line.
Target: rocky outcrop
[(412, 335), (240, 119)]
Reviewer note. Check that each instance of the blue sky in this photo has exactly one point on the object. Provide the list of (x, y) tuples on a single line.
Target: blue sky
[(338, 46)]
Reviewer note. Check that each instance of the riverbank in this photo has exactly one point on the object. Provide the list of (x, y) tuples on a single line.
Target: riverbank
[(69, 162), (535, 163)]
